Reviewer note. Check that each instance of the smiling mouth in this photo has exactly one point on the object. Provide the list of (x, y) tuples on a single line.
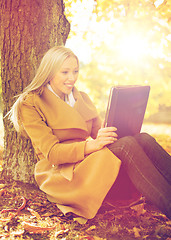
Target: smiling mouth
[(69, 85)]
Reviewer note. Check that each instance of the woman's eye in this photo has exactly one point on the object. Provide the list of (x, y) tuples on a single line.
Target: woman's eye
[(76, 71), (64, 72)]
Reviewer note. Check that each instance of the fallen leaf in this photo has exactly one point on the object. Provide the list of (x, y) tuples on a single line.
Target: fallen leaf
[(22, 206), (139, 209), (86, 237), (164, 230), (2, 192), (32, 228), (98, 238), (136, 232), (17, 233), (4, 236), (91, 228), (56, 219), (2, 185), (61, 232), (34, 213), (24, 201), (80, 220), (9, 218)]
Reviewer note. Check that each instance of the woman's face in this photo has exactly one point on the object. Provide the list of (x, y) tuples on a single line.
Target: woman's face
[(64, 80)]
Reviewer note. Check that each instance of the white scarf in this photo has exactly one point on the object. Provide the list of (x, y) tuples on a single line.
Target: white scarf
[(70, 100)]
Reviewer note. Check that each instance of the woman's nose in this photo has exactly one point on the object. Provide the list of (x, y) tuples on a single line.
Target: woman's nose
[(71, 77)]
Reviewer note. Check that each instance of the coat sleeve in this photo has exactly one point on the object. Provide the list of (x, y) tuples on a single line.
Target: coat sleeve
[(43, 138), (95, 127)]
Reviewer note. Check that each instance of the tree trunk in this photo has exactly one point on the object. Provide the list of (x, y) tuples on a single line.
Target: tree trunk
[(28, 30)]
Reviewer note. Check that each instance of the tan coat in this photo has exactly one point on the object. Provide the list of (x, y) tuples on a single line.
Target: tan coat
[(77, 183)]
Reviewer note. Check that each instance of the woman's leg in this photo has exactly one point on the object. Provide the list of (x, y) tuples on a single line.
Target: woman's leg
[(123, 189), (160, 158), (142, 172)]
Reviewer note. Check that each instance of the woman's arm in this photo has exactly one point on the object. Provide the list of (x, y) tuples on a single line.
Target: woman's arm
[(57, 153)]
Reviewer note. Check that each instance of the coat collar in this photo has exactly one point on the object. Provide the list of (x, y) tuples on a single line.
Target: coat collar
[(84, 105), (83, 110)]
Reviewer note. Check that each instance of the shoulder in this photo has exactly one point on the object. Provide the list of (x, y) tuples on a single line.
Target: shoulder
[(30, 98)]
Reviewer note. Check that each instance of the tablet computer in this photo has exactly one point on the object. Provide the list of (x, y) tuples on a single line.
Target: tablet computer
[(126, 108)]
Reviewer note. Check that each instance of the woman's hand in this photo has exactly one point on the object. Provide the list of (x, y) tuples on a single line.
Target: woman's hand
[(105, 136)]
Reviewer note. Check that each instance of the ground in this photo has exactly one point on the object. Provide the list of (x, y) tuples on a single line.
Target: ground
[(27, 214)]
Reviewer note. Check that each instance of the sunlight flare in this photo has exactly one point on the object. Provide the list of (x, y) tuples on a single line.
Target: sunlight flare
[(158, 3), (133, 47)]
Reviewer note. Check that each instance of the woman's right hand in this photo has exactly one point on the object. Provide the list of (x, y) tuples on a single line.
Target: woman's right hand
[(105, 136)]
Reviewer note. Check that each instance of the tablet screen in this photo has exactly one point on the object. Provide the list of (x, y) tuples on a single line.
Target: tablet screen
[(126, 109)]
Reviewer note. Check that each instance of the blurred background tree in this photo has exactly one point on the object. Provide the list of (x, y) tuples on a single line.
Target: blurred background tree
[(123, 42)]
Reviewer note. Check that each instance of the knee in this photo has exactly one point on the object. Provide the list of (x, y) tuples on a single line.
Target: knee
[(127, 141), (122, 144), (143, 138)]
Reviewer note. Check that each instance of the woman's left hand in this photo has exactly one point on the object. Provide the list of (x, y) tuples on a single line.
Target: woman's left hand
[(105, 136)]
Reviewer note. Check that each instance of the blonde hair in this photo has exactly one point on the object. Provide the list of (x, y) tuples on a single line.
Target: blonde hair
[(49, 66)]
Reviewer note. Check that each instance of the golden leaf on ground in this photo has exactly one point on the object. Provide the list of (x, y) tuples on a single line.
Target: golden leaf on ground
[(80, 220), (2, 185), (32, 228), (98, 238), (139, 209), (2, 192), (60, 232), (91, 228), (34, 213), (136, 232), (17, 233)]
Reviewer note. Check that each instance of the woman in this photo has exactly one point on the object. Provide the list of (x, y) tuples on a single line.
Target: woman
[(82, 164)]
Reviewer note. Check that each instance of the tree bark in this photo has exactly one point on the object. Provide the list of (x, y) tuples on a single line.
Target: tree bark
[(28, 30)]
